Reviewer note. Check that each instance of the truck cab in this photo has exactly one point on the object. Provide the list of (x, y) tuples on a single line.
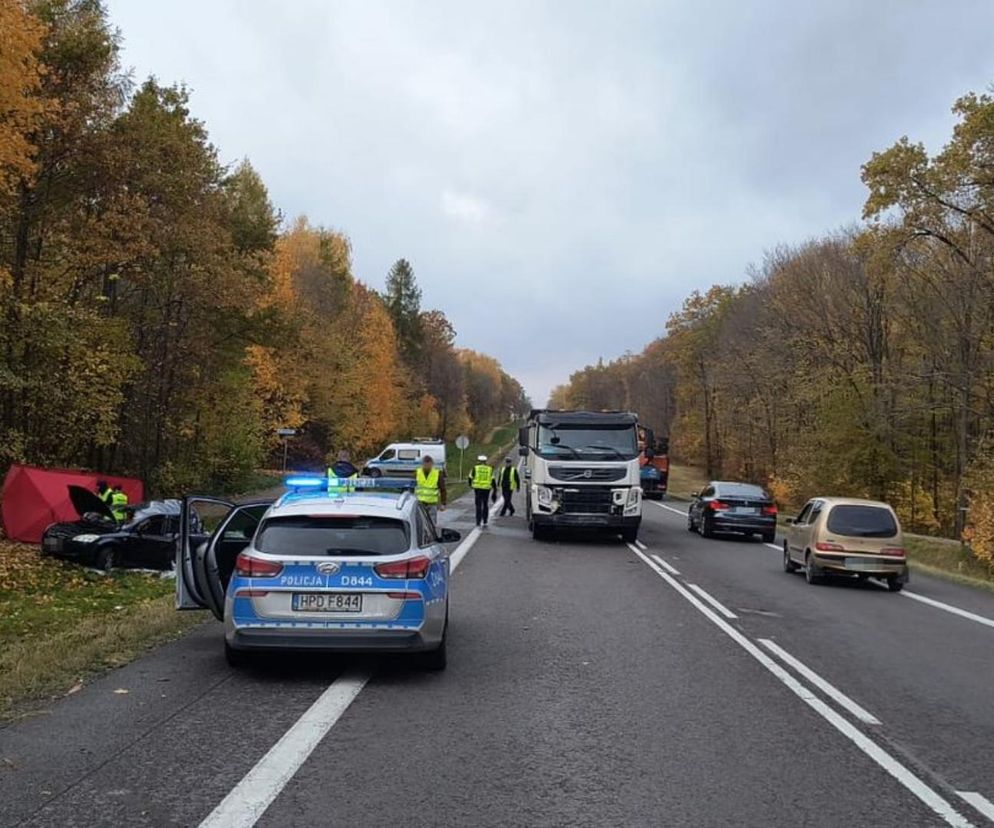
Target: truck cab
[(582, 472)]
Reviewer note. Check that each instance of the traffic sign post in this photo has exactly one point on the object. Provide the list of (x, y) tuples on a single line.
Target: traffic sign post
[(462, 443), (286, 434)]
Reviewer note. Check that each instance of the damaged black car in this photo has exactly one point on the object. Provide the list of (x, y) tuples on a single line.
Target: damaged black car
[(146, 540)]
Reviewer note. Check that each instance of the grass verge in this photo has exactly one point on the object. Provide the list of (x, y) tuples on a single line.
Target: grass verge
[(497, 445), (60, 623), (948, 559), (684, 480)]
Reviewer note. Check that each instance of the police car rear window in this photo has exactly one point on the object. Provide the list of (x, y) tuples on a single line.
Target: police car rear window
[(332, 535)]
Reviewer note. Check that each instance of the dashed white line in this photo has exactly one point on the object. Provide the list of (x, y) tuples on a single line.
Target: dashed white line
[(671, 569), (249, 799), (978, 801), (828, 689), (980, 619), (714, 602), (931, 798)]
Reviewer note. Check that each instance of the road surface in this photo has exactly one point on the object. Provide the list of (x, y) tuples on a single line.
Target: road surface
[(689, 682)]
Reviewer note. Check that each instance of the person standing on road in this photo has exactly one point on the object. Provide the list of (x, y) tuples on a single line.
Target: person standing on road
[(509, 484), (430, 488), (342, 469), (481, 479)]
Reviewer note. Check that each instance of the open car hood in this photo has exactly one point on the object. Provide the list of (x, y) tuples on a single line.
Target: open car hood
[(83, 501)]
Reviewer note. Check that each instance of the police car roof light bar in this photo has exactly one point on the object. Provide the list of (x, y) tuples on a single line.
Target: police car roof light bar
[(318, 482)]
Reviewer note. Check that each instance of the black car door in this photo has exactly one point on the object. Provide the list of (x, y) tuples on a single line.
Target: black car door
[(150, 545)]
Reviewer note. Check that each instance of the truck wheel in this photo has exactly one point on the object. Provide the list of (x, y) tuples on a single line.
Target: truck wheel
[(629, 535), (538, 532)]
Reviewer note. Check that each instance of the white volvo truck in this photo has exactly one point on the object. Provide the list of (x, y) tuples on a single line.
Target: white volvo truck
[(581, 472)]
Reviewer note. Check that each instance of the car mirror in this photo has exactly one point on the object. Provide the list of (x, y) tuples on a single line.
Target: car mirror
[(789, 521), (522, 451), (449, 535)]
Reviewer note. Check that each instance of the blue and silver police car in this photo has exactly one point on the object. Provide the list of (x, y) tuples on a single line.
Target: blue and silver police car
[(349, 565)]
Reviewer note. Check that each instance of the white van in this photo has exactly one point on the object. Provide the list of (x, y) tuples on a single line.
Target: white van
[(403, 459)]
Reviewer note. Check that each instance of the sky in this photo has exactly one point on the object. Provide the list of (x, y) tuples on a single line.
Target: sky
[(561, 175)]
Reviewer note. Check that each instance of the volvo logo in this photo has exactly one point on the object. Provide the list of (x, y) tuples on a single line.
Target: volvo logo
[(588, 473), (328, 567)]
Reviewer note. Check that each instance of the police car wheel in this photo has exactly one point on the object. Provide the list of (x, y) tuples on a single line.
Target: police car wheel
[(235, 658)]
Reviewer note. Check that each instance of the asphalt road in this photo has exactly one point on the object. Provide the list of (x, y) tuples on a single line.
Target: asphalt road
[(588, 684)]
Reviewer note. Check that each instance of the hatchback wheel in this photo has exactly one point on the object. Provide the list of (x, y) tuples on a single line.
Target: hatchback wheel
[(788, 564), (895, 584), (812, 573)]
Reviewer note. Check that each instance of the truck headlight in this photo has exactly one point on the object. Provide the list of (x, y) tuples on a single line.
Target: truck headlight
[(544, 495), (633, 495)]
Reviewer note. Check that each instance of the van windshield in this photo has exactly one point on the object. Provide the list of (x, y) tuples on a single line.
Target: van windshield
[(315, 535), (862, 522)]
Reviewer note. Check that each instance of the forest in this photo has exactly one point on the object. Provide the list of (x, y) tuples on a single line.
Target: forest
[(158, 314), (858, 363)]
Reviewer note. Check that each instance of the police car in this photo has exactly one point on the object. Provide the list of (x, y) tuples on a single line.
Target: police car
[(333, 565)]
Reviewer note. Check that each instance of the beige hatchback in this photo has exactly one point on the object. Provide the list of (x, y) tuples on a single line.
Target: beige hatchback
[(836, 535)]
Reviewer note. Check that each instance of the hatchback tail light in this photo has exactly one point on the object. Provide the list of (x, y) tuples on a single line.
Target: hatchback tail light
[(249, 567), (771, 509), (893, 551), (828, 546), (718, 506), (413, 568)]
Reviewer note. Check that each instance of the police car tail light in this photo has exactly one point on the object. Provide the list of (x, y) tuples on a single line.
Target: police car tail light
[(405, 596), (249, 567), (413, 568)]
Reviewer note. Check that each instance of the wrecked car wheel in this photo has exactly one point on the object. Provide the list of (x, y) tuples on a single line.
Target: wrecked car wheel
[(105, 559)]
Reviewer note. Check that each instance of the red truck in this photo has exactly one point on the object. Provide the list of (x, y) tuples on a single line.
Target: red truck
[(654, 463)]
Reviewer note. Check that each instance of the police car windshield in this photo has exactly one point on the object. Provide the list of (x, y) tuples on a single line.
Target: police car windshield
[(308, 535)]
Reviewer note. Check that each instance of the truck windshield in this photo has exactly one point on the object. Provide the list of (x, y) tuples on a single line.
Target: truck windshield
[(572, 442)]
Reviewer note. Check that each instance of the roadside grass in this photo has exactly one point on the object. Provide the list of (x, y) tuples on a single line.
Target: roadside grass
[(684, 480), (947, 559), (60, 623), (497, 445)]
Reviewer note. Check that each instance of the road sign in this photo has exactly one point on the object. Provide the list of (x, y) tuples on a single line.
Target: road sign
[(286, 432), (462, 442)]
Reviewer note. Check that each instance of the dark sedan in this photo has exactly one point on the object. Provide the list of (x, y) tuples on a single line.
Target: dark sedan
[(740, 508), (146, 540)]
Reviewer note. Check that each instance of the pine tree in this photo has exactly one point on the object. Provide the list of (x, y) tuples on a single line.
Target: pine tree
[(403, 302)]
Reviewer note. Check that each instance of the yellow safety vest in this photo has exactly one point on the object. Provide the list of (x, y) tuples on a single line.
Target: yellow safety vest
[(118, 500), (508, 476), (333, 476), (482, 476), (426, 489)]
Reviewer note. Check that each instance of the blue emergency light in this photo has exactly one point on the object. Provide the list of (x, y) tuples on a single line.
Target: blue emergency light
[(316, 483)]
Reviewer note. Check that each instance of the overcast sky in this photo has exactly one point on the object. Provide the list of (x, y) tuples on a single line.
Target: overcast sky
[(562, 174)]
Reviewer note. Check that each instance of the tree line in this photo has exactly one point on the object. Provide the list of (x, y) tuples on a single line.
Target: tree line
[(157, 314), (859, 363)]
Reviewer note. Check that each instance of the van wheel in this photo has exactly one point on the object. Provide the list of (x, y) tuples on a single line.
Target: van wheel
[(812, 573), (236, 659), (375, 473), (788, 565), (895, 584)]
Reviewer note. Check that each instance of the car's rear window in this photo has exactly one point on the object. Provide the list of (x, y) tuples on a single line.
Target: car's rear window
[(338, 535), (862, 522), (740, 490)]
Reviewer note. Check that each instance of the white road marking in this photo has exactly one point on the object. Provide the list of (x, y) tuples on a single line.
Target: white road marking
[(831, 690), (669, 508), (714, 602), (671, 569), (774, 546), (250, 798), (640, 545), (980, 619), (978, 801), (889, 764)]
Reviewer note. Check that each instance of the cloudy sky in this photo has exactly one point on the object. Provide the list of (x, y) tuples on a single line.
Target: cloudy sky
[(562, 174)]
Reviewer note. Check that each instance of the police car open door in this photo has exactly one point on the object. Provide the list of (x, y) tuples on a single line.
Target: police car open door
[(212, 533)]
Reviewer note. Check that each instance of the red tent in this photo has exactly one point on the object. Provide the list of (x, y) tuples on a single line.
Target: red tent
[(33, 498)]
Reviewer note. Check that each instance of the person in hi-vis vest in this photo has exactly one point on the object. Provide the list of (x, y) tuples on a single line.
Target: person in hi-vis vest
[(342, 469), (482, 481), (510, 482), (429, 487)]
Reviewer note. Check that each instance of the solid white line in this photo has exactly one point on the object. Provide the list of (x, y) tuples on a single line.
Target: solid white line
[(714, 602), (774, 546), (669, 508), (249, 799), (891, 765), (978, 801), (980, 619), (671, 569), (831, 690), (640, 545)]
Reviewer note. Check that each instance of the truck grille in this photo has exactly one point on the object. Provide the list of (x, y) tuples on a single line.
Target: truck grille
[(588, 500), (605, 474)]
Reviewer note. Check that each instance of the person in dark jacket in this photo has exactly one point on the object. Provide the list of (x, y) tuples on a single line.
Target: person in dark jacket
[(510, 482)]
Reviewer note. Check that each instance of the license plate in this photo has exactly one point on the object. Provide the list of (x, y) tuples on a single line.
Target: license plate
[(746, 510), (327, 601), (860, 564)]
